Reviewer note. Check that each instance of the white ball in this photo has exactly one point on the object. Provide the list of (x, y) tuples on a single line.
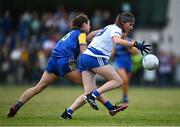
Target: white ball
[(150, 62)]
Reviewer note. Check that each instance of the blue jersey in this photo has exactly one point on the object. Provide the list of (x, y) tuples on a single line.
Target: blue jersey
[(122, 51), (122, 58), (68, 46), (63, 59)]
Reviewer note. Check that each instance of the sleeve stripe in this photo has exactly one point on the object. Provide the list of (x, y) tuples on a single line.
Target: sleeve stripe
[(118, 33)]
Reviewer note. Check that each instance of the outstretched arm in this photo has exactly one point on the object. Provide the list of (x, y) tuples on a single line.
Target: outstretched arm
[(92, 34), (118, 40), (141, 46)]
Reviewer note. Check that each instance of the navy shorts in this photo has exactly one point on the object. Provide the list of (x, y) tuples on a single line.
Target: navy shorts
[(60, 66), (88, 62)]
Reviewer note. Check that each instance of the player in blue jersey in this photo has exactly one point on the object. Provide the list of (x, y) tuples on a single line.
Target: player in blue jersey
[(94, 60), (123, 64), (62, 62)]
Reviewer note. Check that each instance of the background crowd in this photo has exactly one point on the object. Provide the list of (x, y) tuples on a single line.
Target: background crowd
[(26, 44)]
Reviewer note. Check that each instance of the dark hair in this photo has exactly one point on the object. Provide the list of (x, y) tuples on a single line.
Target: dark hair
[(79, 20), (123, 18)]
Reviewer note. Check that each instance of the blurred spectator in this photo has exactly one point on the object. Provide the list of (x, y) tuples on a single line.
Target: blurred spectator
[(96, 20), (35, 24), (27, 48), (24, 24), (177, 72), (126, 7), (24, 60), (165, 69), (107, 19), (15, 64), (48, 45), (11, 40), (4, 63), (1, 22), (7, 23), (48, 21), (62, 20), (33, 48), (1, 38)]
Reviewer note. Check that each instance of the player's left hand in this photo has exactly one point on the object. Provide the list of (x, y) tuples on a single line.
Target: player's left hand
[(142, 47)]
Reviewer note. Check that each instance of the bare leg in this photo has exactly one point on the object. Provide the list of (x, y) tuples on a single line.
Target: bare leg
[(109, 73), (115, 81), (46, 79), (125, 78), (77, 78), (88, 89), (89, 84)]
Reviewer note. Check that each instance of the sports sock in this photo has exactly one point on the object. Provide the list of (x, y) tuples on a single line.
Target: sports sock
[(95, 94), (125, 97), (19, 104), (69, 111), (108, 105)]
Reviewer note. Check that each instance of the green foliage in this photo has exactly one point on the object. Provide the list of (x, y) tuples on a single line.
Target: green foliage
[(148, 106)]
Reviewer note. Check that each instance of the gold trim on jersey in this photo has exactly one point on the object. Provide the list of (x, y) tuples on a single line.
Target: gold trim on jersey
[(82, 38)]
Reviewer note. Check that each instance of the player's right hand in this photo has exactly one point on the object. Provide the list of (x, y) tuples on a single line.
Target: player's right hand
[(142, 47)]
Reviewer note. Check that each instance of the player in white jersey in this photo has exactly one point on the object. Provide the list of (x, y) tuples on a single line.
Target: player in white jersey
[(103, 42), (95, 61)]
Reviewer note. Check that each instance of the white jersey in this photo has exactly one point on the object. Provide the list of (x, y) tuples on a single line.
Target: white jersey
[(102, 44)]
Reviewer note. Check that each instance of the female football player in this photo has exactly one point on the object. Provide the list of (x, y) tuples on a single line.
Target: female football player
[(123, 64), (94, 60), (62, 62)]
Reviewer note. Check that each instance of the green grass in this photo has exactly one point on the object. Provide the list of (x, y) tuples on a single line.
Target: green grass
[(148, 106)]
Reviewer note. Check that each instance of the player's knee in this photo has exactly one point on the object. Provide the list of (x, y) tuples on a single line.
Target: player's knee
[(125, 82), (120, 82)]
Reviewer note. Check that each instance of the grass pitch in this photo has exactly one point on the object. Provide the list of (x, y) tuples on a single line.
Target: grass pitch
[(148, 106)]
